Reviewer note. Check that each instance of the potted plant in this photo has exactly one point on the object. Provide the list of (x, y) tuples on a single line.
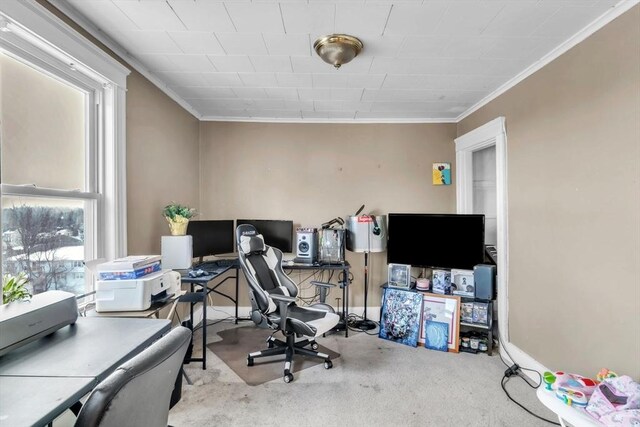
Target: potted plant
[(178, 216), (14, 288)]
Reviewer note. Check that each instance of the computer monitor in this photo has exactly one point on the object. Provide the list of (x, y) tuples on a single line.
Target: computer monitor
[(276, 233), (211, 237)]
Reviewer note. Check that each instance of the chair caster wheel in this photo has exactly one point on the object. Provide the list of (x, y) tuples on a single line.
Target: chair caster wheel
[(249, 361), (288, 378), (314, 346), (328, 364)]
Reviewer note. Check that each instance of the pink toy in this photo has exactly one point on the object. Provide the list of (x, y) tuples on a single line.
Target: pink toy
[(573, 389)]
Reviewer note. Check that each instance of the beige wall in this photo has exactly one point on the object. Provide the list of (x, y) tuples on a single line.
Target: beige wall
[(573, 131), (311, 173), (162, 155), (162, 162)]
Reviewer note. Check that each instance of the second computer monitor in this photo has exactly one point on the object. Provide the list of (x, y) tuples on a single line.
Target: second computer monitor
[(276, 233)]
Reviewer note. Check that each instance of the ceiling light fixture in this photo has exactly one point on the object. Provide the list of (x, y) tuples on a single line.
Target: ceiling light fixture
[(337, 49)]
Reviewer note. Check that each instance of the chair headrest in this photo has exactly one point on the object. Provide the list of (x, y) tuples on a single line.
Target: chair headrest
[(251, 244)]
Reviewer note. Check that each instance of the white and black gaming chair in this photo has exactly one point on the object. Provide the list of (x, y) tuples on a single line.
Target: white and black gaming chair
[(272, 294)]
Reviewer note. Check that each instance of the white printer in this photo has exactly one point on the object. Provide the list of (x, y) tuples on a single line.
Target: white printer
[(135, 294)]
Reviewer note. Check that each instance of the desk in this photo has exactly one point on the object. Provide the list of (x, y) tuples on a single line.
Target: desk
[(40, 380), (344, 268), (195, 296)]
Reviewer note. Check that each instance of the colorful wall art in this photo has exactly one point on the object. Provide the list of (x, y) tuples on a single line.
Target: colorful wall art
[(441, 173), (400, 319)]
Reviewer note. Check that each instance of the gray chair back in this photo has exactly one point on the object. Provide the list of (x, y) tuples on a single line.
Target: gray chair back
[(139, 391)]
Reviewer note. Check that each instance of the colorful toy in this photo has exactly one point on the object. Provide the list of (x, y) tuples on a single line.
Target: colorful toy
[(604, 374), (572, 389)]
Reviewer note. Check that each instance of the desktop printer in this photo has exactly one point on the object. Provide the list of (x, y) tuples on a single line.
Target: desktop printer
[(135, 294)]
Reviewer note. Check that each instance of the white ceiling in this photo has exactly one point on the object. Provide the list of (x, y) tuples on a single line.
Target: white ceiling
[(253, 60)]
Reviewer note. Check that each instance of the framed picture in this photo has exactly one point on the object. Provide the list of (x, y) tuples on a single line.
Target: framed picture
[(481, 313), (441, 173), (441, 282), (400, 317), (462, 283), (399, 276), (440, 309)]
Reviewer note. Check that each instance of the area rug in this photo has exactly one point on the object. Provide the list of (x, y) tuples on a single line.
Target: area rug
[(238, 342)]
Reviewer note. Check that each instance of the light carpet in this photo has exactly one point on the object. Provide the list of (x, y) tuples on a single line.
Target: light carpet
[(375, 383)]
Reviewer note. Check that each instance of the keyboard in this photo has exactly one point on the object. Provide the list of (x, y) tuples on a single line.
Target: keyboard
[(216, 265)]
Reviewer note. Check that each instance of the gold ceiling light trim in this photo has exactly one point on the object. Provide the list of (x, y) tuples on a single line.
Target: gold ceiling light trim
[(337, 49)]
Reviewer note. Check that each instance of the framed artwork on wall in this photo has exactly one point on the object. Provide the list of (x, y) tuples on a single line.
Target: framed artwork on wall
[(443, 309), (441, 173)]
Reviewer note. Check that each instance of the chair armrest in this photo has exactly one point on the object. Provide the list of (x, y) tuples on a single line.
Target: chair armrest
[(322, 284), (283, 302)]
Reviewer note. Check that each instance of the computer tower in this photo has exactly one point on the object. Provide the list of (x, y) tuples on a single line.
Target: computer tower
[(484, 278)]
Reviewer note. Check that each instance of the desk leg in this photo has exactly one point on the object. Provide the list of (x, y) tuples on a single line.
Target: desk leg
[(345, 299), (205, 293), (191, 311), (237, 298)]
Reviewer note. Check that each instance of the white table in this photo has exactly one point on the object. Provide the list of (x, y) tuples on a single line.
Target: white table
[(573, 415)]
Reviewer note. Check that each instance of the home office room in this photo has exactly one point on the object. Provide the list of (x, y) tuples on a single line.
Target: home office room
[(378, 212)]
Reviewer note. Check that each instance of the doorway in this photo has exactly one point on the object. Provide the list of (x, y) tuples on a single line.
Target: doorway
[(481, 187)]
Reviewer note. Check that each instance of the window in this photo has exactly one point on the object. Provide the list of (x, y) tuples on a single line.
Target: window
[(61, 152)]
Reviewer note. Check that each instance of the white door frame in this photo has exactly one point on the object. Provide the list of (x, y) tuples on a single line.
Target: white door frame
[(487, 135)]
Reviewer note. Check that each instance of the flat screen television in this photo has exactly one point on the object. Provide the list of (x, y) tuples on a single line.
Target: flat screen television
[(276, 233), (436, 240), (211, 237)]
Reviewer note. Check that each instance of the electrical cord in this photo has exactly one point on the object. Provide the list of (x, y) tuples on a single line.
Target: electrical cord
[(502, 384), (352, 321), (513, 371)]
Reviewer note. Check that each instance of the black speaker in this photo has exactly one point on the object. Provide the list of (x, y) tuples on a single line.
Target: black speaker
[(484, 278)]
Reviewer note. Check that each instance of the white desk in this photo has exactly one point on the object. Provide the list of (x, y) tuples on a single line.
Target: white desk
[(42, 379), (573, 415)]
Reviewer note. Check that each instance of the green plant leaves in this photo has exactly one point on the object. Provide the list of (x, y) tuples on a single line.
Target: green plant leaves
[(14, 288), (174, 209)]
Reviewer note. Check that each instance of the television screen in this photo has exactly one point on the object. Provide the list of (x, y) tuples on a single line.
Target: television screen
[(436, 240), (211, 237), (276, 233)]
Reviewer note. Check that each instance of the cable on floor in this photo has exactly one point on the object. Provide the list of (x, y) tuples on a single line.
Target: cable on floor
[(353, 318), (502, 384)]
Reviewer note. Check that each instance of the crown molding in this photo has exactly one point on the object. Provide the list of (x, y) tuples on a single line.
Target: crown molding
[(89, 27), (617, 10), (326, 121)]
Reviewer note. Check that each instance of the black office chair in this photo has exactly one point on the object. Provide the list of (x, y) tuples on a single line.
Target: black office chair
[(272, 294), (139, 391)]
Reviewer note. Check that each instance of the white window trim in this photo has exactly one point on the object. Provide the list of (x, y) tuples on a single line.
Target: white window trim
[(31, 31)]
